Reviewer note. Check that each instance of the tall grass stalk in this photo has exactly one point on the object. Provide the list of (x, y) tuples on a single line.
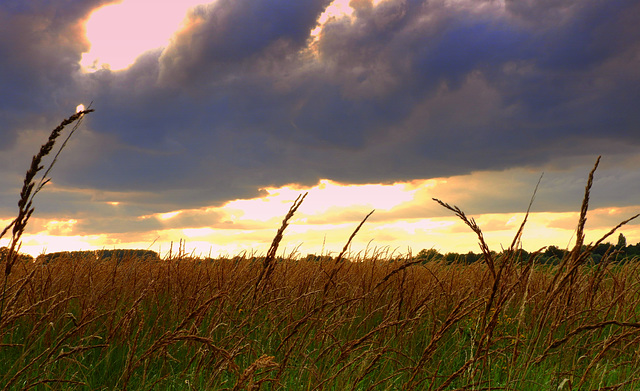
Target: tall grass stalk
[(268, 263), (29, 191)]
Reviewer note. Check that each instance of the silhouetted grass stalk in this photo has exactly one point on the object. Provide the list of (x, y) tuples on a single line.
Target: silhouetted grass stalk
[(268, 263), (29, 191), (338, 263)]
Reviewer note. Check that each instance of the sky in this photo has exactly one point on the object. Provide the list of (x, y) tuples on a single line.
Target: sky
[(211, 117)]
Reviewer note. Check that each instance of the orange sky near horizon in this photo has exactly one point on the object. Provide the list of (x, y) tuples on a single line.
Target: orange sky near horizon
[(326, 219)]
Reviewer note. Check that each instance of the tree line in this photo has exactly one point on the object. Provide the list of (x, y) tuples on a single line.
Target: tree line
[(103, 255), (620, 252)]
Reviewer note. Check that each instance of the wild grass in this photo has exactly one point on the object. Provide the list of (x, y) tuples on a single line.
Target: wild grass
[(344, 323), (30, 188)]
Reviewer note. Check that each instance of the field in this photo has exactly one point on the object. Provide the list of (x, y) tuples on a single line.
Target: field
[(375, 324), (361, 322)]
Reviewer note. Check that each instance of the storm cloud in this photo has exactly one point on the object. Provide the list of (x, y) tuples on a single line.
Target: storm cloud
[(245, 96)]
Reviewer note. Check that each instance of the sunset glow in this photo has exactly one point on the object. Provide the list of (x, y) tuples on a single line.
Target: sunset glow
[(330, 213)]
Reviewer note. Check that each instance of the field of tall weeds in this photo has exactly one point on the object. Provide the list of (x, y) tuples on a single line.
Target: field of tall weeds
[(330, 323)]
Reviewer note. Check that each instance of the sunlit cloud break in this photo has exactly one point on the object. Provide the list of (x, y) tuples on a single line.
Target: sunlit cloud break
[(120, 32)]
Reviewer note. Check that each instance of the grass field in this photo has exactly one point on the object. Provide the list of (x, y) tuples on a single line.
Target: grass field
[(206, 324), (333, 323)]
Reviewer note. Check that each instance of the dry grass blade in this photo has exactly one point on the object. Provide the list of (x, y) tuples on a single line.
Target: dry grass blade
[(271, 254), (45, 177), (77, 349), (346, 246), (25, 368), (25, 203), (210, 343), (26, 199), (474, 227), (14, 297), (268, 263), (337, 265), (369, 368), (263, 362), (397, 270), (197, 312), (579, 254), (614, 229), (130, 366), (558, 342), (351, 346), (518, 237), (583, 214), (457, 374)]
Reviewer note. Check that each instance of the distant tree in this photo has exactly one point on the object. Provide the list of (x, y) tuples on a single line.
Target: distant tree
[(520, 255), (428, 255), (622, 242), (21, 257), (553, 254), (633, 250), (117, 255), (596, 258), (317, 258), (470, 257), (451, 257), (602, 249)]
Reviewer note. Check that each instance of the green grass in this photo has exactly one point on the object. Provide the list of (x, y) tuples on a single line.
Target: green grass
[(416, 330)]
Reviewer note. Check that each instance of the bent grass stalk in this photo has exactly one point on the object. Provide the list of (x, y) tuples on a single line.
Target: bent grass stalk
[(339, 261)]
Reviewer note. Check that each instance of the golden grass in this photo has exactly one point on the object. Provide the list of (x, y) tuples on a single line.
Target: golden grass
[(378, 318)]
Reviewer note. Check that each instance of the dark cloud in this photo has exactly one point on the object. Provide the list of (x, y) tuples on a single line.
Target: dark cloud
[(40, 46), (233, 35), (245, 97)]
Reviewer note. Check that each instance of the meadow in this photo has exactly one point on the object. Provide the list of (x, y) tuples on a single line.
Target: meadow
[(344, 322)]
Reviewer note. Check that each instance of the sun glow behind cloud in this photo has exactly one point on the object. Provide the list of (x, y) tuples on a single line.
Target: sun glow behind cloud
[(336, 9), (121, 32), (322, 198)]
